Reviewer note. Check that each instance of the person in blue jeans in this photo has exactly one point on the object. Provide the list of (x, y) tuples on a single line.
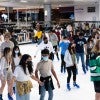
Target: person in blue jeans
[(22, 74), (80, 45), (45, 68), (64, 46)]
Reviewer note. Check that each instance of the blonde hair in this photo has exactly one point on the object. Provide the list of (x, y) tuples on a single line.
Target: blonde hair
[(96, 47), (7, 34)]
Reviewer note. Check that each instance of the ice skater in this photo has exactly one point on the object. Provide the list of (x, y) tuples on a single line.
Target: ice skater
[(71, 65), (45, 68)]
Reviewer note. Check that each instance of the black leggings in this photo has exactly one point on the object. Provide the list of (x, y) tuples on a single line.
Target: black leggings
[(55, 48), (97, 86), (71, 70)]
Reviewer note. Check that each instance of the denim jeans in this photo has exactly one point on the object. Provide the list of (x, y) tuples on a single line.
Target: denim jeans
[(22, 97), (82, 60), (87, 60), (43, 91)]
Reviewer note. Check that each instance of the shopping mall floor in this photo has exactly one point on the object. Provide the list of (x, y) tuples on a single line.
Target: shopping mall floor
[(85, 92)]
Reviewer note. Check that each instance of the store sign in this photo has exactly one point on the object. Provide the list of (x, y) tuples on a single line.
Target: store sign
[(79, 10)]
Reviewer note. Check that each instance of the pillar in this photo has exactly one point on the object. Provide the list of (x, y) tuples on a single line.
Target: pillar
[(99, 11), (26, 17), (47, 14), (17, 18), (8, 11)]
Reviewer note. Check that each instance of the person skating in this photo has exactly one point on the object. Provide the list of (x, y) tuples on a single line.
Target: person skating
[(45, 67), (95, 68), (71, 66)]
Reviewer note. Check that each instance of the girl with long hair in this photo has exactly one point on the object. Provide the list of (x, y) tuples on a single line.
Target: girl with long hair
[(22, 74), (16, 54), (6, 72), (16, 59), (95, 68), (71, 65)]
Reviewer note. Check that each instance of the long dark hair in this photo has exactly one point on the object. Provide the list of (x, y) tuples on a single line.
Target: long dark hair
[(6, 50), (13, 52), (23, 63)]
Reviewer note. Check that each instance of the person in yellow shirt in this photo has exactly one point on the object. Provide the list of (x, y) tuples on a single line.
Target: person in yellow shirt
[(38, 35)]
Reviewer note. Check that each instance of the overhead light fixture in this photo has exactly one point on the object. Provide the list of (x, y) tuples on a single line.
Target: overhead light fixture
[(24, 1), (59, 5), (45, 13)]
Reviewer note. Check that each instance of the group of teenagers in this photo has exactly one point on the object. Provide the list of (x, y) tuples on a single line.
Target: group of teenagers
[(81, 47), (16, 69)]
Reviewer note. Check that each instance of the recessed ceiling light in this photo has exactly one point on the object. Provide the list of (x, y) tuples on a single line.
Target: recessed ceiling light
[(23, 1)]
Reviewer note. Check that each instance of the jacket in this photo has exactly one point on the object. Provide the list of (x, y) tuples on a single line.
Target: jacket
[(95, 66), (69, 59)]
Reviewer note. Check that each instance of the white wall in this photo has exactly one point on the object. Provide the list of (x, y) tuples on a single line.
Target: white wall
[(81, 13)]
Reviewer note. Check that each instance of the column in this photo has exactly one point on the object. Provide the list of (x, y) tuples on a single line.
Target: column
[(99, 11), (8, 10), (8, 13), (47, 14), (17, 18), (26, 18)]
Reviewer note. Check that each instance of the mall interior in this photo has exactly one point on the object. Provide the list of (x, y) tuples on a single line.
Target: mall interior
[(23, 18), (16, 14)]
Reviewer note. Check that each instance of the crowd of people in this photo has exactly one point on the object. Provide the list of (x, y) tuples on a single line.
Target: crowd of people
[(16, 69)]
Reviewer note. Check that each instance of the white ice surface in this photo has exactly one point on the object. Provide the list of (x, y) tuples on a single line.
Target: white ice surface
[(85, 92)]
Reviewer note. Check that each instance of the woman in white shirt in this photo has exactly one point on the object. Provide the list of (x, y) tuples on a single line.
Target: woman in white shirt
[(6, 72), (16, 56), (22, 75), (1, 41), (71, 65), (16, 59)]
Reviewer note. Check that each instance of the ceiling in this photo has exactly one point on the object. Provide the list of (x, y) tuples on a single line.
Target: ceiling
[(40, 3)]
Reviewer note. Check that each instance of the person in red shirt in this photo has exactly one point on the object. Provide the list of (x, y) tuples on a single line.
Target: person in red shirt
[(58, 34)]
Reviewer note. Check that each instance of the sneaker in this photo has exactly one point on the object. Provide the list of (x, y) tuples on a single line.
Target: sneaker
[(68, 86), (76, 85), (9, 97)]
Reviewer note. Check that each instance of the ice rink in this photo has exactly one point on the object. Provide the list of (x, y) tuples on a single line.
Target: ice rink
[(85, 92)]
